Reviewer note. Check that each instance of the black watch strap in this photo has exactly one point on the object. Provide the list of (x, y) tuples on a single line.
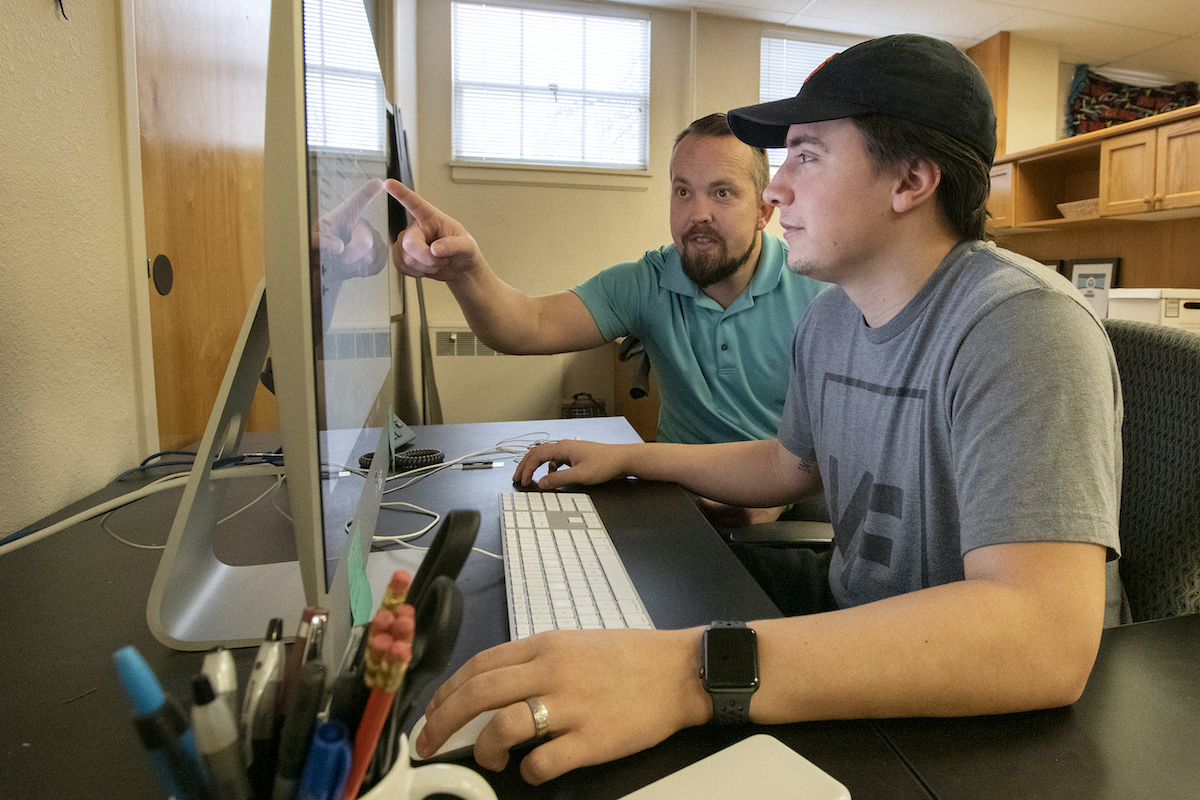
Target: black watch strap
[(731, 703), (731, 709)]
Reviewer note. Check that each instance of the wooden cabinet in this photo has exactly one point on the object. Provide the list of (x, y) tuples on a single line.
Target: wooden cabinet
[(1153, 170), (1178, 169), (1145, 170), (1000, 201), (1127, 173)]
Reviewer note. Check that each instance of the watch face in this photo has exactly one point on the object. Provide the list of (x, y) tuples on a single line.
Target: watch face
[(731, 658)]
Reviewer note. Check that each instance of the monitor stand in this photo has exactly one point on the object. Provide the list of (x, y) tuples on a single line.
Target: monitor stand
[(197, 602)]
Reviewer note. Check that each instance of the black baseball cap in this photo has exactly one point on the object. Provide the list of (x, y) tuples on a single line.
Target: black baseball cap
[(913, 77)]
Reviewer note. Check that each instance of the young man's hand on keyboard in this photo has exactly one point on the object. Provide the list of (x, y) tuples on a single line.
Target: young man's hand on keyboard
[(571, 461), (607, 694)]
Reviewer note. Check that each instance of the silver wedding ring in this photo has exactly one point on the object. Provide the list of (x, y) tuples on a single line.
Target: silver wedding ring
[(541, 717)]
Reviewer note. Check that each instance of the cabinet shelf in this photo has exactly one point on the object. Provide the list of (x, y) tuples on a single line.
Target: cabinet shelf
[(1027, 187)]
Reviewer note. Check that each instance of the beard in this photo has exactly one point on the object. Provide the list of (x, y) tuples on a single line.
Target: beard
[(705, 269)]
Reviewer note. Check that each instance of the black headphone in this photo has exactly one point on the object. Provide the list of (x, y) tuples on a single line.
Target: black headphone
[(414, 459), (409, 459)]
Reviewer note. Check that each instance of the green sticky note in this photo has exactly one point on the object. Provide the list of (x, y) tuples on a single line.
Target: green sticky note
[(360, 587)]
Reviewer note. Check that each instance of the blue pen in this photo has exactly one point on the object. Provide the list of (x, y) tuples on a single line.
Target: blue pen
[(328, 764), (163, 728)]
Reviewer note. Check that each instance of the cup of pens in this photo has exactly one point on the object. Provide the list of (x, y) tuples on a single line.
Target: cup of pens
[(294, 741)]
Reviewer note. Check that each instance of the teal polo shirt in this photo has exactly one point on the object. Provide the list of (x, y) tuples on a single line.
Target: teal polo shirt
[(722, 373)]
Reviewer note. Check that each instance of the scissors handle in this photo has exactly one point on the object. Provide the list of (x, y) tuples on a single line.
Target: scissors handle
[(451, 545)]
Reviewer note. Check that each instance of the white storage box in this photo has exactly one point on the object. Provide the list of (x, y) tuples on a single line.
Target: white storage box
[(1177, 308)]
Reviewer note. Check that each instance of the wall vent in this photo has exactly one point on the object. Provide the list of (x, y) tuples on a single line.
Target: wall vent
[(460, 343)]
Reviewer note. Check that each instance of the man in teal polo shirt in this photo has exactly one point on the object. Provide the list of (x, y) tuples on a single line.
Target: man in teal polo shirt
[(720, 371), (715, 310)]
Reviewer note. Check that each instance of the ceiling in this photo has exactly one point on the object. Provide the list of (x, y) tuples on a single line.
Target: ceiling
[(1156, 40)]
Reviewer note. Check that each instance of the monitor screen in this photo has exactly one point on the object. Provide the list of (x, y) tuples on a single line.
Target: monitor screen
[(325, 318)]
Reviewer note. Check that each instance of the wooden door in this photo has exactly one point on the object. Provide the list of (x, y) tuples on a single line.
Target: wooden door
[(201, 68), (1179, 164), (1127, 173)]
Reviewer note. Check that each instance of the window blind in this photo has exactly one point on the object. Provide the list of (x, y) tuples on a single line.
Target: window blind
[(540, 86), (343, 86), (784, 65)]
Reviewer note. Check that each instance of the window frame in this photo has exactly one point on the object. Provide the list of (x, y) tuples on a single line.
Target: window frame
[(495, 170)]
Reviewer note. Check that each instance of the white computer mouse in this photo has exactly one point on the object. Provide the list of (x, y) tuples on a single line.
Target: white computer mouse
[(461, 742)]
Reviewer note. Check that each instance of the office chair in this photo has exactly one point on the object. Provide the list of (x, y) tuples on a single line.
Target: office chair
[(805, 524), (1160, 489)]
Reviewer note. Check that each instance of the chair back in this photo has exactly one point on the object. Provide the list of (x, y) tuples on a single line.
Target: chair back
[(1160, 486)]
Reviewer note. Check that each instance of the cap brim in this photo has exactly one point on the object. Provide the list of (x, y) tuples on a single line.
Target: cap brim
[(766, 124)]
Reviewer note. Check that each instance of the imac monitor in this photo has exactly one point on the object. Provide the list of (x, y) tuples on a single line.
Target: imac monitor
[(324, 318)]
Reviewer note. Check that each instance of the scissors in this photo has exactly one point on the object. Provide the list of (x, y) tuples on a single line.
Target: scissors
[(438, 606), (451, 545)]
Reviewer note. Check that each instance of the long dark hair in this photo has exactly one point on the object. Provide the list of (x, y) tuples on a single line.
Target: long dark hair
[(966, 178)]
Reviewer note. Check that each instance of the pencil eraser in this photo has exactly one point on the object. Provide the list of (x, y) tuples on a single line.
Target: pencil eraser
[(400, 582)]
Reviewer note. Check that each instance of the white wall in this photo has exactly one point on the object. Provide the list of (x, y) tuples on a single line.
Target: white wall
[(69, 356), (1033, 95)]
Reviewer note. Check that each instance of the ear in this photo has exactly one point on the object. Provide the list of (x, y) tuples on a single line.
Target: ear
[(916, 185), (765, 212)]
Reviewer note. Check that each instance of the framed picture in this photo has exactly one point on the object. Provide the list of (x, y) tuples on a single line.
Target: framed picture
[(1093, 277), (1055, 264)]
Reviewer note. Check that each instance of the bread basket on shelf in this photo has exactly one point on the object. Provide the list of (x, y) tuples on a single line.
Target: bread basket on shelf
[(1080, 208)]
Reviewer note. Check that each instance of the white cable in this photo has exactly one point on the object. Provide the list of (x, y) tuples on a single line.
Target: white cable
[(162, 484), (401, 538), (504, 446), (513, 445), (279, 479), (482, 552), (104, 527), (153, 488)]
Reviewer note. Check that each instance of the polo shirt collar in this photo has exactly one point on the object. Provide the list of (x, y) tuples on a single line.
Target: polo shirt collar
[(764, 280)]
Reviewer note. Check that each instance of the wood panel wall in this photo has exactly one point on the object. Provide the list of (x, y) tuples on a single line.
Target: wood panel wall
[(1153, 254)]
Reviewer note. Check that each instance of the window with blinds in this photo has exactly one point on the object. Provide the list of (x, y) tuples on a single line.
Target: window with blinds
[(786, 62), (343, 85), (550, 87)]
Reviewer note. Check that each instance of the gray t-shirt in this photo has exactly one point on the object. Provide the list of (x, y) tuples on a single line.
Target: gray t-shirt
[(987, 411)]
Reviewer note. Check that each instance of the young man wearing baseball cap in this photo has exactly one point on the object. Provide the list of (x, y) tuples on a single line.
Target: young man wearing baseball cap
[(959, 406)]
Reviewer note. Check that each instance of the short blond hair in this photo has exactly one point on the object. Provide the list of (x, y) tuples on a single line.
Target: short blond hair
[(716, 125)]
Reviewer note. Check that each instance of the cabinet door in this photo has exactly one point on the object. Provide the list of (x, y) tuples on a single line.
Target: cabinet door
[(1179, 165), (1000, 201), (1127, 166)]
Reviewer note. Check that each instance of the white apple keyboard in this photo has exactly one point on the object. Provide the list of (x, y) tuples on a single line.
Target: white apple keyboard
[(561, 570), (461, 742)]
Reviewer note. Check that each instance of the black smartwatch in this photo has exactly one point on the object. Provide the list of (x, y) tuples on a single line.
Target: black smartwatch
[(729, 670)]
